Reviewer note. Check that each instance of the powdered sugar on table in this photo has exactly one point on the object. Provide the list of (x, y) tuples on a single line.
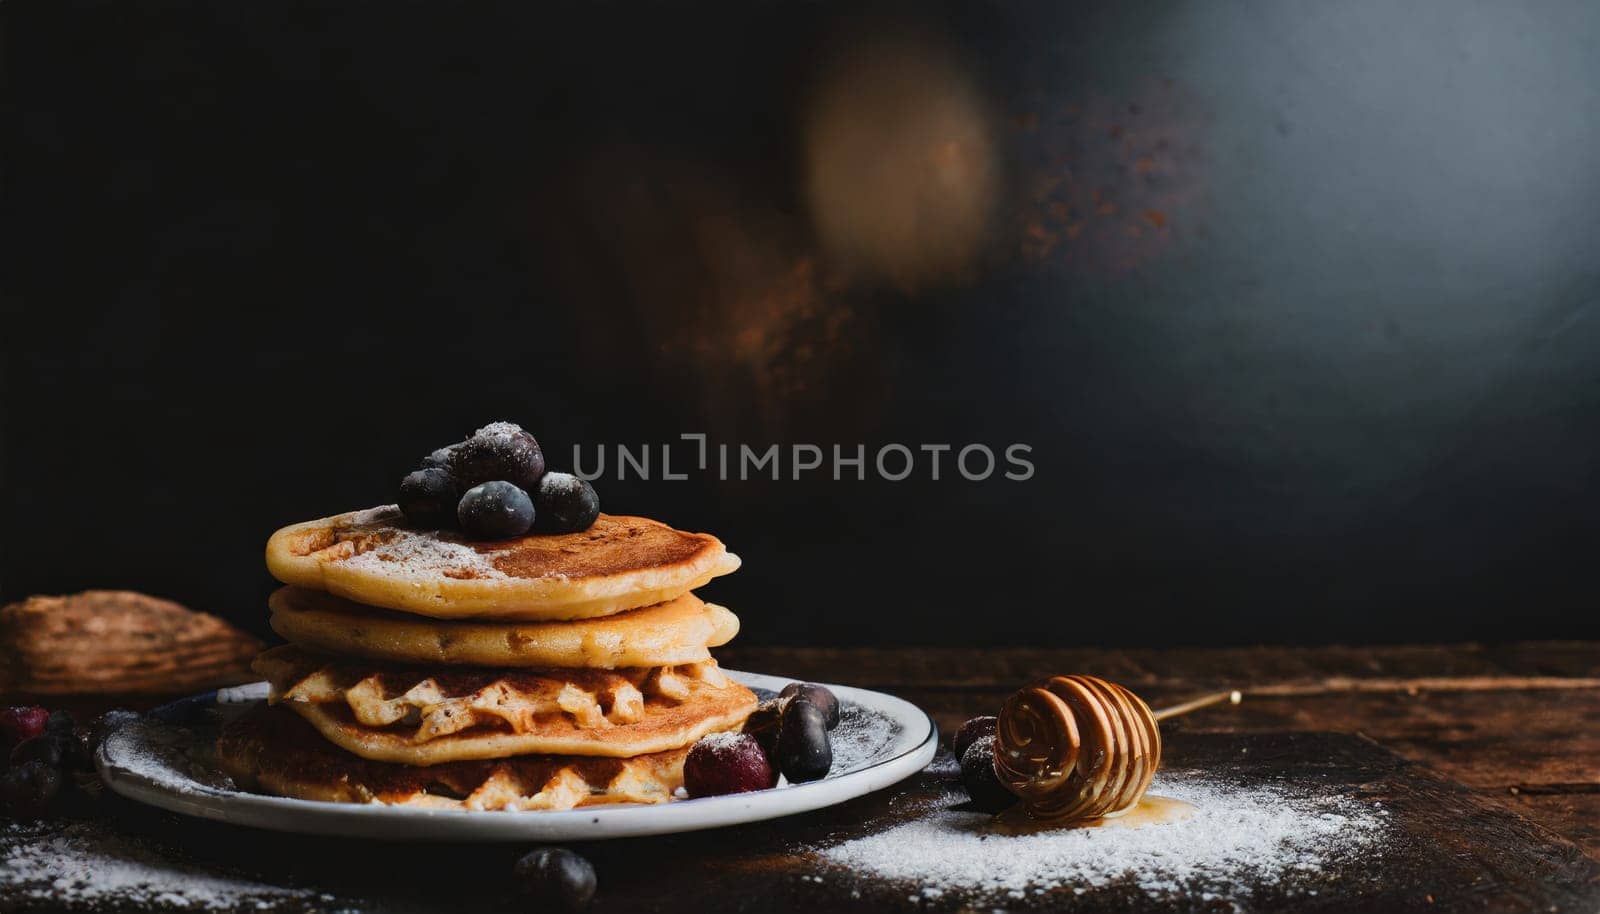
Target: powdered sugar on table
[(86, 866), (1238, 836)]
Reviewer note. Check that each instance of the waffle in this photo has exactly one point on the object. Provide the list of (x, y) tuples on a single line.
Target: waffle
[(676, 632), (270, 749), (417, 716), (117, 642), (620, 563)]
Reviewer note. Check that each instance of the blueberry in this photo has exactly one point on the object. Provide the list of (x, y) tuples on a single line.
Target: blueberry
[(500, 451), (724, 763), (817, 695), (27, 789), (440, 459), (565, 504), (495, 511), (555, 878), (77, 750), (428, 498), (48, 749), (978, 776), (970, 732), (804, 753), (60, 722)]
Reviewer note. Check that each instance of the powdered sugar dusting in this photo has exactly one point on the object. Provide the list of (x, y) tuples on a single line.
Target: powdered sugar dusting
[(862, 736), (1236, 838), (501, 430), (417, 553), (176, 758), (718, 742), (84, 866)]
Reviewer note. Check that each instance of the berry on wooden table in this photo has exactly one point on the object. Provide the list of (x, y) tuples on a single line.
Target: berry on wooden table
[(556, 879), (972, 731), (978, 776), (28, 789), (22, 722)]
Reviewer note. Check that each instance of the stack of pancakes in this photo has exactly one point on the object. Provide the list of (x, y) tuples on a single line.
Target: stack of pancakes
[(541, 672)]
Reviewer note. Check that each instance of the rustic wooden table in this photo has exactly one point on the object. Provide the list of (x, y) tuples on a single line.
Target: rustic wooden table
[(1514, 726), (1519, 723)]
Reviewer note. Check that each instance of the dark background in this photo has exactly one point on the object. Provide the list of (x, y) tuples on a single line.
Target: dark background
[(1295, 302)]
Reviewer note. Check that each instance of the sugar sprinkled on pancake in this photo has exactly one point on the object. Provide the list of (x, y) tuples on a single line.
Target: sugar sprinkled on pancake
[(373, 558)]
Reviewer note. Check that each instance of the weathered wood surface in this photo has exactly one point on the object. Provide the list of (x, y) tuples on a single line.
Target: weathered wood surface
[(1446, 851), (1496, 807), (1519, 723)]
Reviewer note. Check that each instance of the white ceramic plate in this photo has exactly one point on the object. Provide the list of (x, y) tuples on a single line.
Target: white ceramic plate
[(880, 741)]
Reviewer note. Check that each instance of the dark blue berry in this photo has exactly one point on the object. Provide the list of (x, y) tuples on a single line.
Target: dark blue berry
[(565, 504), (440, 459), (804, 753), (27, 789), (556, 879), (495, 511), (979, 777), (60, 722), (428, 498), (501, 451), (765, 723), (817, 695), (970, 732)]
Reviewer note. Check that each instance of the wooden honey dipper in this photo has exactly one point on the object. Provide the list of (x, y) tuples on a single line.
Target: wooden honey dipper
[(1075, 748)]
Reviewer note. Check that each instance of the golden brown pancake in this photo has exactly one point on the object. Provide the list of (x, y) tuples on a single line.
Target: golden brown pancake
[(272, 750), (373, 558), (675, 632), (421, 716)]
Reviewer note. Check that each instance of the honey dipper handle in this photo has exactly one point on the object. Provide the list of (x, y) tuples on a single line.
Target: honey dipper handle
[(1195, 704)]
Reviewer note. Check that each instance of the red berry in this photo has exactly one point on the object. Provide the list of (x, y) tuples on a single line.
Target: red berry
[(727, 763), (23, 722)]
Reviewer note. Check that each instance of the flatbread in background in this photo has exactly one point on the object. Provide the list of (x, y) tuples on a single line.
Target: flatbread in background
[(118, 642)]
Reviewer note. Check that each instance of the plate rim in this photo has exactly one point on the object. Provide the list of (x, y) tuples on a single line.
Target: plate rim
[(594, 823)]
